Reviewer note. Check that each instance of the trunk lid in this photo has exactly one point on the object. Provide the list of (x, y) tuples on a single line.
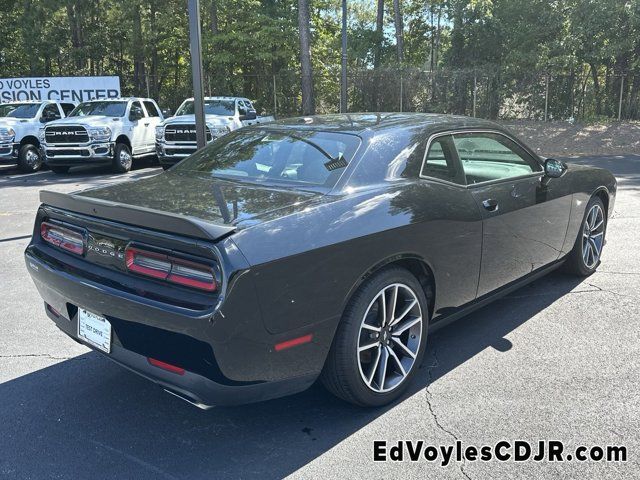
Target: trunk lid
[(189, 205)]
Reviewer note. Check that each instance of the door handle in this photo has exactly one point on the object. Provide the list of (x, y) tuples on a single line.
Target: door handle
[(490, 204), (146, 124)]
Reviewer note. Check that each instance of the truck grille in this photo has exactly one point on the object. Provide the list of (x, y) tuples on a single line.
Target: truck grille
[(66, 134), (182, 133)]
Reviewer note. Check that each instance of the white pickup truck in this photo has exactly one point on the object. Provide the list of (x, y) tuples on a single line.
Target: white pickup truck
[(176, 136), (20, 123), (102, 132)]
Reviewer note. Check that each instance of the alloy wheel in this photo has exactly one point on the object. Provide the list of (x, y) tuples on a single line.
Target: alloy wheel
[(593, 236), (389, 339), (32, 159), (125, 159)]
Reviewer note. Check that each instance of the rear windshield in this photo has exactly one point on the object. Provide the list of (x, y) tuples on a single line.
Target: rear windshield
[(19, 110), (211, 107), (275, 157), (110, 109)]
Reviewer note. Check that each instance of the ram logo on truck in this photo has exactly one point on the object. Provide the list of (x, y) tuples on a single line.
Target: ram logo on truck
[(180, 130), (66, 133)]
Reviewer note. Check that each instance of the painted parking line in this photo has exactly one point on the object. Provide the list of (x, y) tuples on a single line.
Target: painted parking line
[(25, 175)]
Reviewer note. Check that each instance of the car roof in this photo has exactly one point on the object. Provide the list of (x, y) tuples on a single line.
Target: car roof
[(373, 123)]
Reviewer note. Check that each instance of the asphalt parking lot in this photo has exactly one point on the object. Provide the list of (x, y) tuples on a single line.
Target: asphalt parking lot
[(558, 359)]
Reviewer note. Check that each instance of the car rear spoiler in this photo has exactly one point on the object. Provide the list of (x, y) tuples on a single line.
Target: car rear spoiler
[(137, 216)]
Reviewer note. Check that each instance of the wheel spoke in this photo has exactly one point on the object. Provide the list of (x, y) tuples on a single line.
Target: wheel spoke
[(596, 249), (592, 218), (598, 225), (383, 308), (368, 346), (403, 347), (404, 313), (585, 252), (382, 368), (371, 327), (406, 325), (376, 362), (392, 305), (397, 360)]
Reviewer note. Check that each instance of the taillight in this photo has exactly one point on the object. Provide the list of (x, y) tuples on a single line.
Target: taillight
[(62, 237), (172, 269)]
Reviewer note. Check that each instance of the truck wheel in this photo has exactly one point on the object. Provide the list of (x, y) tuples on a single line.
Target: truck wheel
[(59, 169), (122, 158), (29, 159)]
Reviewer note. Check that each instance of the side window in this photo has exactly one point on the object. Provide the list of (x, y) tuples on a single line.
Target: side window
[(440, 161), (67, 108), (136, 112), (50, 112), (151, 109), (242, 108), (490, 156)]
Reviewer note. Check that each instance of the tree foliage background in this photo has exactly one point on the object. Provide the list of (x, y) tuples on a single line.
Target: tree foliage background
[(512, 56)]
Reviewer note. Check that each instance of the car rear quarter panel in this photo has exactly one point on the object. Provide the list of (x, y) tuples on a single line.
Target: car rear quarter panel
[(306, 265)]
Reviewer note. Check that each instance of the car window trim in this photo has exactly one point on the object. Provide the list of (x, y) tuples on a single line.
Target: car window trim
[(488, 182)]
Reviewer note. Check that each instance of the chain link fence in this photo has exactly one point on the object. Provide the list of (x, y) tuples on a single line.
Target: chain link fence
[(488, 93)]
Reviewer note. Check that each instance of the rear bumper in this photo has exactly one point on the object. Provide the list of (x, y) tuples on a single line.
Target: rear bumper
[(191, 387), (228, 359), (68, 156)]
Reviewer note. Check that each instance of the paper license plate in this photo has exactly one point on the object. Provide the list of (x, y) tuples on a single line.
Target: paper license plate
[(94, 329)]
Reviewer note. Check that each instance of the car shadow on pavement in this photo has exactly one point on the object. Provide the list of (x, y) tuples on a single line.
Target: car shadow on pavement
[(88, 418)]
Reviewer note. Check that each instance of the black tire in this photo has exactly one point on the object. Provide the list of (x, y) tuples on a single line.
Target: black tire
[(577, 262), (29, 158), (59, 169), (342, 370), (120, 165)]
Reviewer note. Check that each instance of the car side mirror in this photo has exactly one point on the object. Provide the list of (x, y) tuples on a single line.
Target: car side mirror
[(554, 168)]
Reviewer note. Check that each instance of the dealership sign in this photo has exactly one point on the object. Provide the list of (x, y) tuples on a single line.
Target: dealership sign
[(69, 89)]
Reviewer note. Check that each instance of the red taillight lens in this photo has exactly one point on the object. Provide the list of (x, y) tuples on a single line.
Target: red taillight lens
[(172, 269), (62, 237)]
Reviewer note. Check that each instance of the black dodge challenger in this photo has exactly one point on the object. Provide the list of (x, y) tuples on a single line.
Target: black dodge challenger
[(319, 247)]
